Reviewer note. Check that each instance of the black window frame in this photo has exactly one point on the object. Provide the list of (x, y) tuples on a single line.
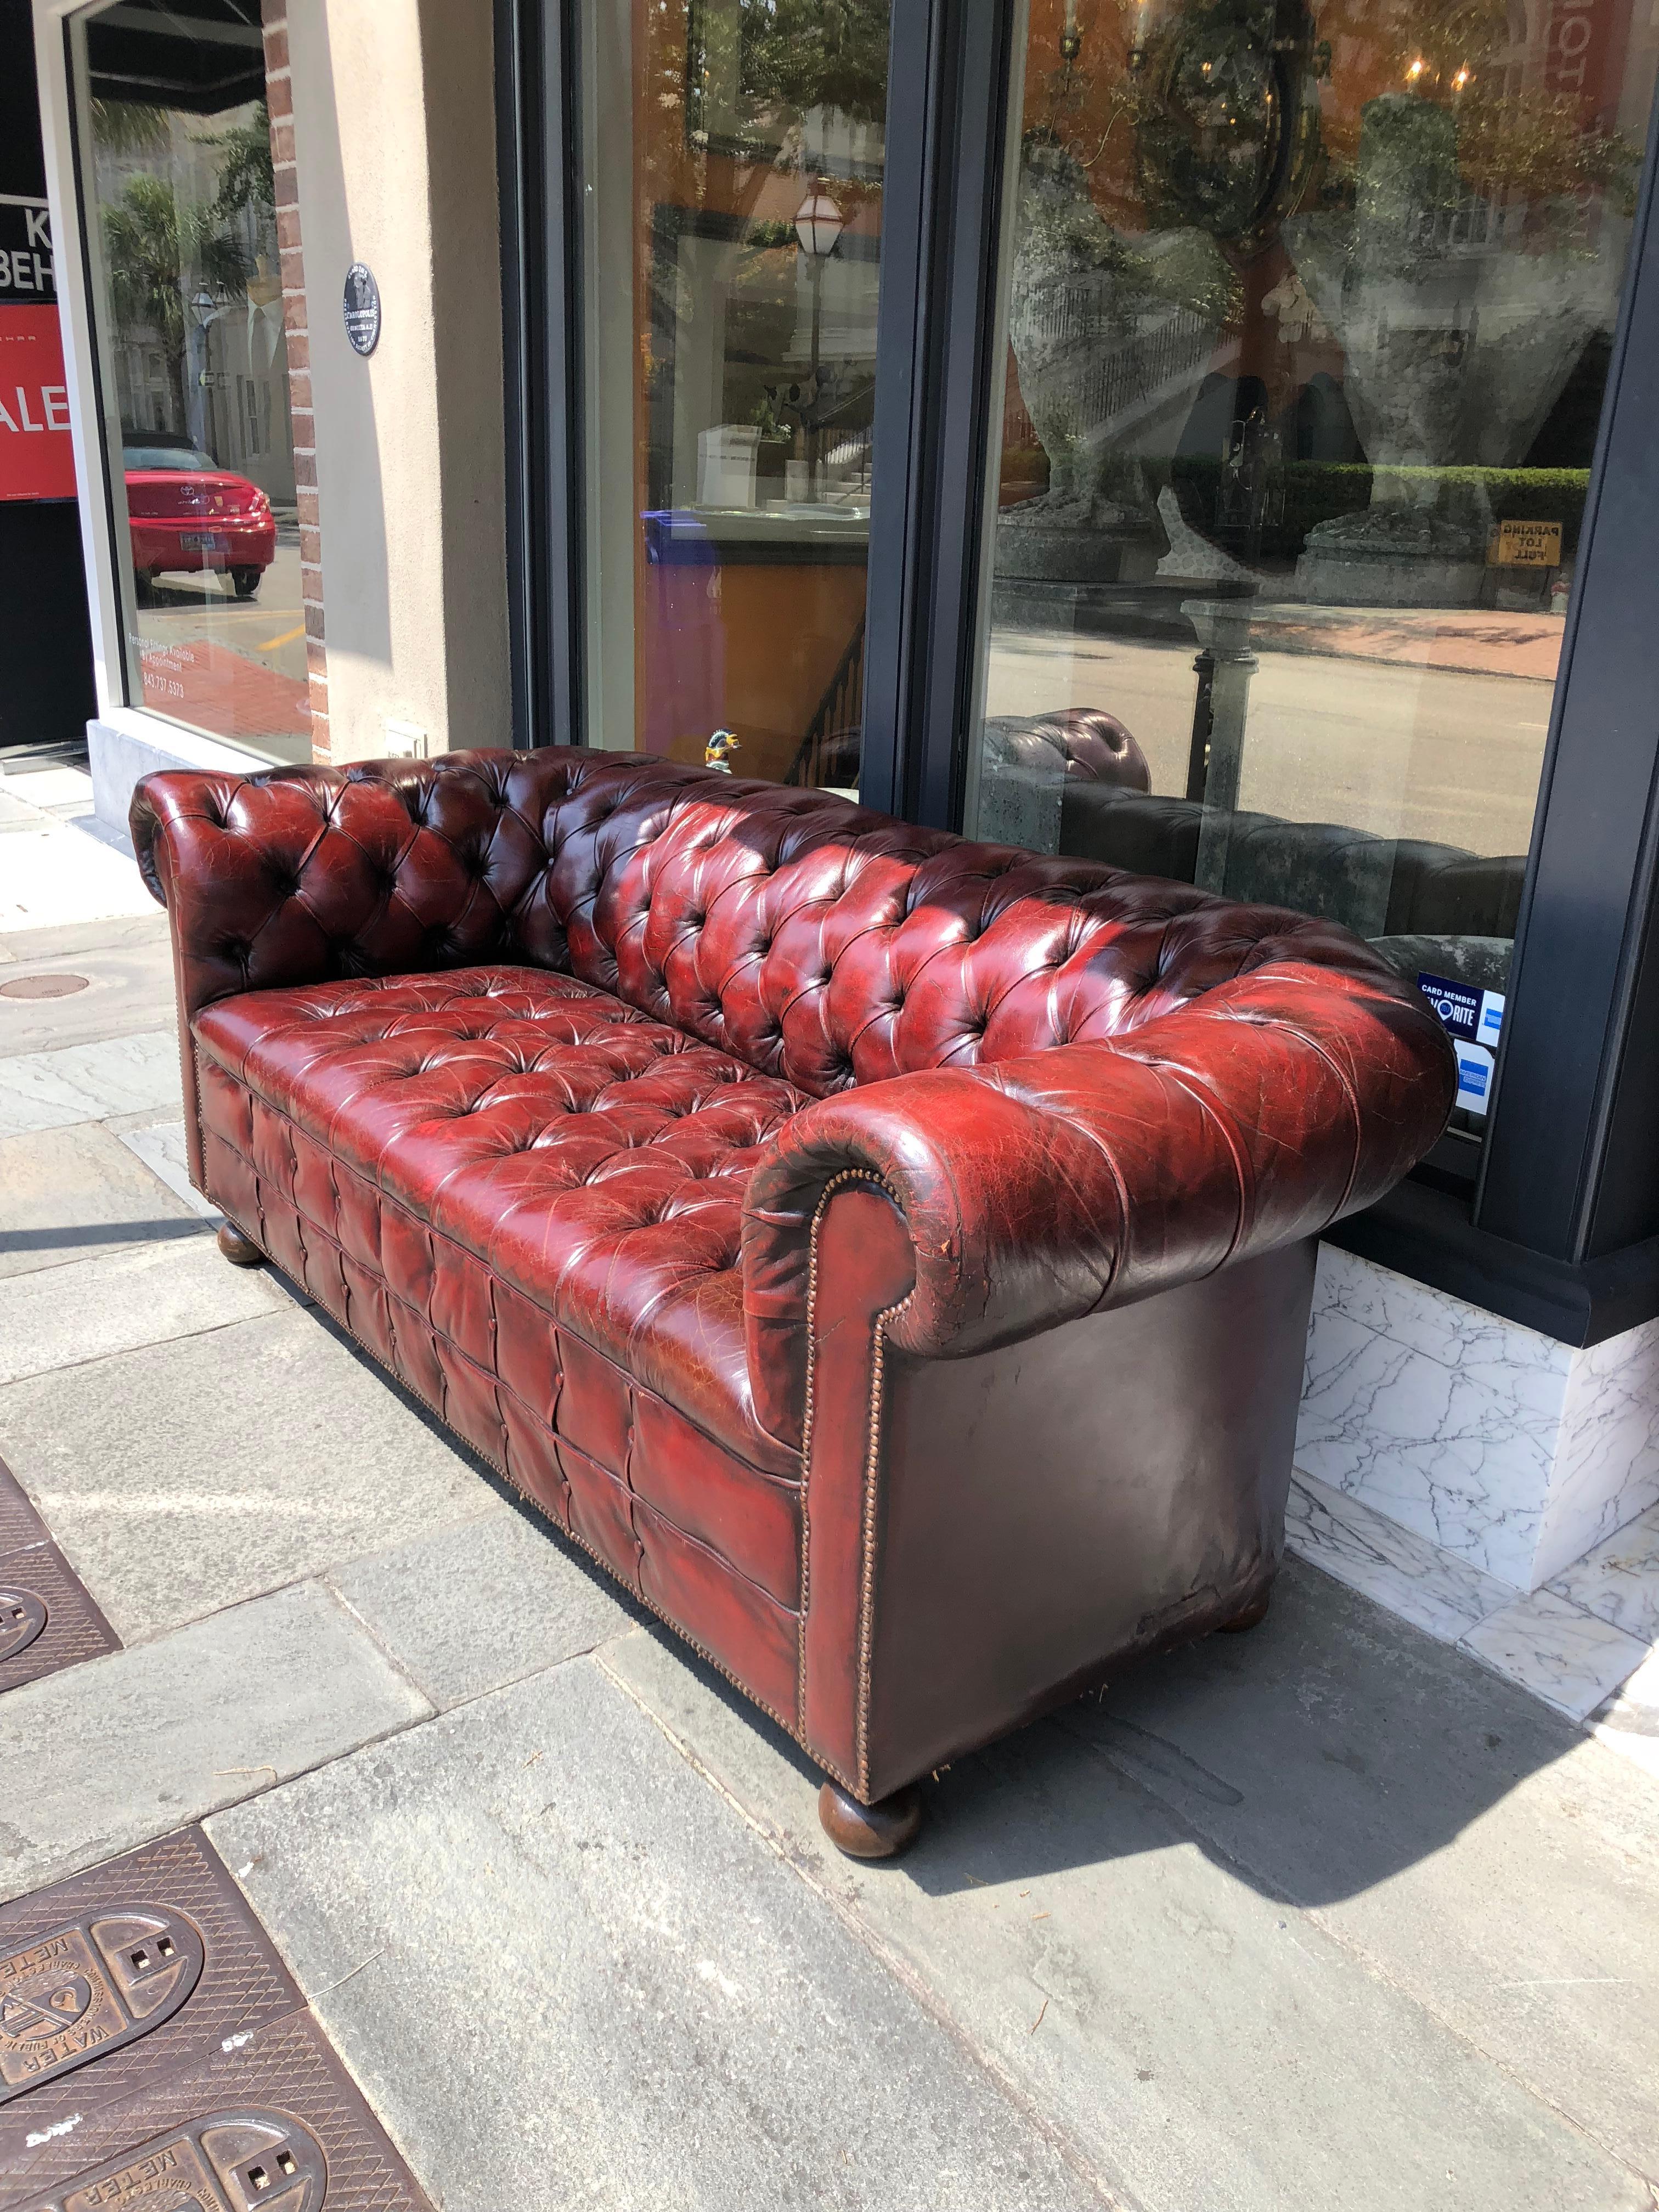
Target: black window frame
[(1560, 1228)]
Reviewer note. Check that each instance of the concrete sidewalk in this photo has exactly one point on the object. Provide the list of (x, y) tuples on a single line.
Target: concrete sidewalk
[(1330, 1916)]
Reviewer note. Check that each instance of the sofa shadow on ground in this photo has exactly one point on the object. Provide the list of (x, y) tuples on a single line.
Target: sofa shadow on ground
[(1331, 1752)]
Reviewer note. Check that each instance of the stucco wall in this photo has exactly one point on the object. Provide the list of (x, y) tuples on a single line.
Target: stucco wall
[(394, 144)]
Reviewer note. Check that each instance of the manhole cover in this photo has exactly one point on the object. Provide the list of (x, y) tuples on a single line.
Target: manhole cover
[(44, 987), (22, 1616), (228, 2162), (80, 1992)]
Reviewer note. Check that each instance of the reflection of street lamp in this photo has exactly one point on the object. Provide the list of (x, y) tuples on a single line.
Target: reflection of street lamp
[(818, 225), (205, 311)]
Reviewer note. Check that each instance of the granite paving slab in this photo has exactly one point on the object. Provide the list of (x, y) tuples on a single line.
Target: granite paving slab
[(1488, 1857), (87, 1082), (61, 1317), (55, 789), (127, 989), (74, 1194), (566, 1973), (160, 1146), (62, 939), (467, 1609), (62, 871), (194, 1473), (109, 1755), (1212, 2045)]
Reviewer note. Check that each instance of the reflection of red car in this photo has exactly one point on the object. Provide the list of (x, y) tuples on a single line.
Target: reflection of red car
[(188, 512)]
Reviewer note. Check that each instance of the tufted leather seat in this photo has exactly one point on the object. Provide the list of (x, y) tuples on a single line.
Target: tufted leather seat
[(591, 1159), (890, 1254)]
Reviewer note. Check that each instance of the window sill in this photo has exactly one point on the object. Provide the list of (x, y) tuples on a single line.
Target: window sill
[(1425, 1233)]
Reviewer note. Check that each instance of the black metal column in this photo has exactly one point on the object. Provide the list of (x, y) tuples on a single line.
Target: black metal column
[(941, 214)]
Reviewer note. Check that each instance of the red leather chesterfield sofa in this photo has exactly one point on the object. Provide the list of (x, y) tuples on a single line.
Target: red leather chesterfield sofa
[(889, 1256)]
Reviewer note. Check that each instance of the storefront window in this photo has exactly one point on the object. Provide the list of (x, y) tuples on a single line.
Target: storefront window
[(1309, 317), (187, 300), (732, 173)]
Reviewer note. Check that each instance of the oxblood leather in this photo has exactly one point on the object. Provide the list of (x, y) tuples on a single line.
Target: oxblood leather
[(1084, 744), (588, 1090)]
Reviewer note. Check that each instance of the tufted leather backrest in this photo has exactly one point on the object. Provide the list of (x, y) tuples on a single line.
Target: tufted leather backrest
[(816, 940)]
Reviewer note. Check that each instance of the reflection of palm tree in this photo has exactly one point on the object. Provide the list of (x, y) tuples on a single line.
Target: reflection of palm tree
[(160, 253), (130, 126)]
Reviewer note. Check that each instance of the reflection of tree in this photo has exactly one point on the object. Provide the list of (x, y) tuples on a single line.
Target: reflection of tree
[(728, 96), (159, 252), (1061, 233), (130, 126), (796, 55), (246, 182)]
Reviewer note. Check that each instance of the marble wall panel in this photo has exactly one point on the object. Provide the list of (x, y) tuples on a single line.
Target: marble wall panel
[(1444, 1418)]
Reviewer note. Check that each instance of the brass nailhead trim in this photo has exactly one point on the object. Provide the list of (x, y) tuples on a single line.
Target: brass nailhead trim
[(569, 1534), (872, 1479)]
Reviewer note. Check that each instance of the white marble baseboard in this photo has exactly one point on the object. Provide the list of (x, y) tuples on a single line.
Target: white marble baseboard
[(1433, 1589), (1587, 1645), (1513, 1453)]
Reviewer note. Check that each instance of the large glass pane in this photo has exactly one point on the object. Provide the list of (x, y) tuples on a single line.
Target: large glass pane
[(734, 162), (187, 300), (1308, 315)]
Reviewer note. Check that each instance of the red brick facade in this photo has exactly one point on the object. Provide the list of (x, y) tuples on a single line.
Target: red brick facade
[(280, 98)]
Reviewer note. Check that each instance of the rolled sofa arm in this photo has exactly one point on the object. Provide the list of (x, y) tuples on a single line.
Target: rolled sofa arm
[(1087, 1176), (299, 875)]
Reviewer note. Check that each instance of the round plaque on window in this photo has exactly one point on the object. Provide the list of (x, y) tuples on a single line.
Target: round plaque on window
[(362, 307)]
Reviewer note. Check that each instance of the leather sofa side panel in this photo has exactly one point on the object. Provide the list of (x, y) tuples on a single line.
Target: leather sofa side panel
[(862, 1267), (189, 1082), (1051, 1512)]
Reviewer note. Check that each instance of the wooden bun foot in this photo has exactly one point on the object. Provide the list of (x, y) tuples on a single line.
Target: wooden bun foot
[(880, 1830), (240, 1251), (1251, 1616)]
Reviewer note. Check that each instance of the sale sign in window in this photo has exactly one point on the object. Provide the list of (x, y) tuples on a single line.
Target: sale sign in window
[(36, 459)]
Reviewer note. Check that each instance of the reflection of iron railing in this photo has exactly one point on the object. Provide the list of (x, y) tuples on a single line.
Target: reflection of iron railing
[(1182, 341), (829, 748), (1174, 345), (1019, 431)]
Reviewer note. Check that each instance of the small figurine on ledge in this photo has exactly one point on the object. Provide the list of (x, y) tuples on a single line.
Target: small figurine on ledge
[(718, 752)]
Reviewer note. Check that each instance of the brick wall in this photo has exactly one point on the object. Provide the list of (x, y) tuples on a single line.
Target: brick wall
[(280, 97)]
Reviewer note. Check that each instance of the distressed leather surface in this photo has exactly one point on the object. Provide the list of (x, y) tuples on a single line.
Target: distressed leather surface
[(1041, 1188), (590, 1157), (536, 1069)]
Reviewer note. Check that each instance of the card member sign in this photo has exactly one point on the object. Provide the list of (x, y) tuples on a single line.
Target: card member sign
[(1473, 1019)]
